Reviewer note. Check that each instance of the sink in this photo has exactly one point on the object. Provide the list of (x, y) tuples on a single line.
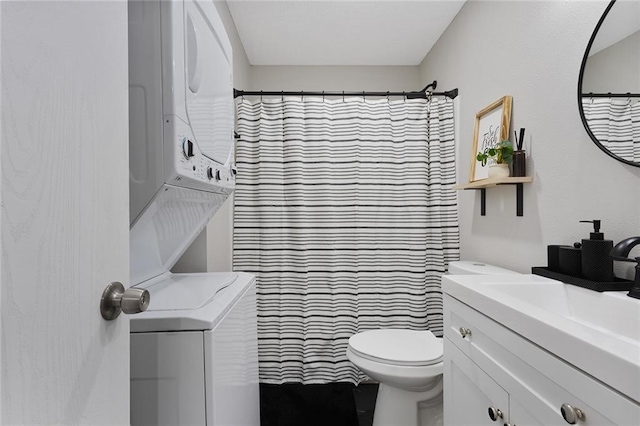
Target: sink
[(598, 333), (609, 312)]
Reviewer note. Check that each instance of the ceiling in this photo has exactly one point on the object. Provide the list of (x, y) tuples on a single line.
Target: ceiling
[(347, 32)]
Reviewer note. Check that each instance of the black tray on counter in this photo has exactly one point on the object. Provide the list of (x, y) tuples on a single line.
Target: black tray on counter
[(617, 284)]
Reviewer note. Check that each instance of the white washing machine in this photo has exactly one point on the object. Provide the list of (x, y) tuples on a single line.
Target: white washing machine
[(194, 354)]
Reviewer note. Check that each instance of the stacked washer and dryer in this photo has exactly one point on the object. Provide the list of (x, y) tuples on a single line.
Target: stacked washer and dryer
[(194, 358)]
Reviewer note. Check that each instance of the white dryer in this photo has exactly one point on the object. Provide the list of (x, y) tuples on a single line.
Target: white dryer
[(194, 352)]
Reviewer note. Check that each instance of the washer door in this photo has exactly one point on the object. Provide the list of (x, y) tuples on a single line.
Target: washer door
[(208, 80)]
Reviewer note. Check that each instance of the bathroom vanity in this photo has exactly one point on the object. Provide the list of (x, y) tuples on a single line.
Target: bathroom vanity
[(527, 350)]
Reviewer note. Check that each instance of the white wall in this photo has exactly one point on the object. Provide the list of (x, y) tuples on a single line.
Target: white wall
[(335, 79), (615, 69), (532, 51)]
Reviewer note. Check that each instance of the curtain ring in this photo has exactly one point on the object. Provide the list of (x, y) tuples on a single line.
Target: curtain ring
[(241, 99), (343, 96), (404, 97), (282, 95), (261, 96), (387, 96), (323, 96)]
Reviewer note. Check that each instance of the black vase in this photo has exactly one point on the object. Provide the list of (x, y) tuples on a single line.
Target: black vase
[(519, 163)]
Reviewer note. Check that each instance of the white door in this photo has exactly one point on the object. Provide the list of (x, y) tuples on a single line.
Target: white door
[(64, 225)]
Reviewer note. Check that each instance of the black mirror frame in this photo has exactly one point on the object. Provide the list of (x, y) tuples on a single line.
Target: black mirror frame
[(580, 77)]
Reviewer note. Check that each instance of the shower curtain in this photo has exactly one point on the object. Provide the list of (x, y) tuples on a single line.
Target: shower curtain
[(344, 212), (616, 124)]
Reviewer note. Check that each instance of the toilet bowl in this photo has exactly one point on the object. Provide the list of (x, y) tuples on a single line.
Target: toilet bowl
[(408, 365)]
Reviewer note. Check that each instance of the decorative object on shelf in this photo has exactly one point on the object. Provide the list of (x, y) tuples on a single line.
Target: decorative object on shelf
[(499, 170), (491, 127), (519, 156), (500, 154)]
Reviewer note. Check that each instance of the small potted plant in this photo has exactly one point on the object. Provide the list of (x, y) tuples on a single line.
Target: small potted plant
[(500, 154)]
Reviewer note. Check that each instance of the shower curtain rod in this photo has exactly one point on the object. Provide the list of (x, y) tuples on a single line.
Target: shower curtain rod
[(611, 95), (422, 94)]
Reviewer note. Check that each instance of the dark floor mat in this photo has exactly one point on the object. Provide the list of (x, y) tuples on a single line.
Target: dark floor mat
[(332, 404)]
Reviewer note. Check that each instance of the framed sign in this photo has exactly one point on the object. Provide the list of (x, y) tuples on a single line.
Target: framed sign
[(492, 126)]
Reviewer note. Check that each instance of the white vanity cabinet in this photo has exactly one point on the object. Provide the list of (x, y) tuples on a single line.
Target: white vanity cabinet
[(487, 367)]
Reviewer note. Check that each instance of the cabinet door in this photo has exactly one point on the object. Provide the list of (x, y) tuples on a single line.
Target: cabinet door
[(538, 383), (523, 415), (469, 392)]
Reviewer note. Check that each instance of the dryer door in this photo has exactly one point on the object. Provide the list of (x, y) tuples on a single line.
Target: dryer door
[(209, 80)]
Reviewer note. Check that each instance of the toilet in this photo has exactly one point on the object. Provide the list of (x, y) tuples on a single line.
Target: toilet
[(408, 365)]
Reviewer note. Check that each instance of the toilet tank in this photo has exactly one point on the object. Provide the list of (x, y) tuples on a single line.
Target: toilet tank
[(470, 267)]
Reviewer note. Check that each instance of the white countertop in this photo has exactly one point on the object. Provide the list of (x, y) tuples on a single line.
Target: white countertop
[(599, 333)]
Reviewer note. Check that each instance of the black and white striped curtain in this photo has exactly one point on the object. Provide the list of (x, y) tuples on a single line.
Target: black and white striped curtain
[(344, 212), (616, 124)]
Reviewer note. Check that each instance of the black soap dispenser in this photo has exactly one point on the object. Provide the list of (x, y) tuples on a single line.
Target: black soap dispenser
[(597, 264)]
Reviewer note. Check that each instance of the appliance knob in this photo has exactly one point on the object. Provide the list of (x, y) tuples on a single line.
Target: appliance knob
[(187, 149), (218, 175), (209, 173)]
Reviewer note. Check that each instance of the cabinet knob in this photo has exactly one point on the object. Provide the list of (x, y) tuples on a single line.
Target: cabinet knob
[(494, 413), (464, 332), (571, 414)]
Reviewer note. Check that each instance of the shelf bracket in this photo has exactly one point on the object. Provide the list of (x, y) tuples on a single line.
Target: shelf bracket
[(490, 182), (483, 199), (519, 198)]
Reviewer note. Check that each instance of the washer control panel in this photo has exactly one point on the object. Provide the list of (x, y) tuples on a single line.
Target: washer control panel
[(193, 165)]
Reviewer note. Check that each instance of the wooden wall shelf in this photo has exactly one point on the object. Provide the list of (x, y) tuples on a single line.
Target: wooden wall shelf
[(483, 184)]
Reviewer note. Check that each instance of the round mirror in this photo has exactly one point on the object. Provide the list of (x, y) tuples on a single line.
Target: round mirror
[(609, 82)]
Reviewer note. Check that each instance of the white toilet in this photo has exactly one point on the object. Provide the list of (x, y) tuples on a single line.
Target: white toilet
[(408, 365)]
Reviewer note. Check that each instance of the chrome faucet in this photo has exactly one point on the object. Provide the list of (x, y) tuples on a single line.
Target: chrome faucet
[(621, 252)]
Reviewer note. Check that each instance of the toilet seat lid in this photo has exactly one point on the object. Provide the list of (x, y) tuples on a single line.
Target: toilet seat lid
[(398, 347)]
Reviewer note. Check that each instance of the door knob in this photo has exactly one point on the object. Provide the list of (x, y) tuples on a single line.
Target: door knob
[(115, 300), (464, 332)]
